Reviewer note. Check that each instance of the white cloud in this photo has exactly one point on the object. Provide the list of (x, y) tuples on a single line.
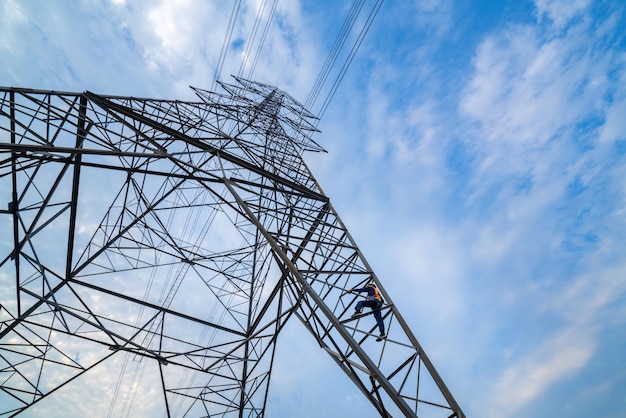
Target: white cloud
[(581, 308), (11, 15), (436, 14), (561, 12), (614, 127), (154, 49), (558, 357), (531, 91), (179, 32), (181, 42), (522, 86), (529, 95)]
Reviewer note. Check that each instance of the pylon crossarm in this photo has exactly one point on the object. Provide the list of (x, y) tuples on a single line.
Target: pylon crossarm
[(238, 161)]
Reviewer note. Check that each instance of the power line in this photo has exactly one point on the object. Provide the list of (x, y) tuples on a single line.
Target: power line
[(246, 53), (263, 37), (330, 62), (226, 43), (350, 57), (332, 56)]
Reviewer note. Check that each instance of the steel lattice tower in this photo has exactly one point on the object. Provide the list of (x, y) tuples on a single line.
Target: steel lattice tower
[(170, 242)]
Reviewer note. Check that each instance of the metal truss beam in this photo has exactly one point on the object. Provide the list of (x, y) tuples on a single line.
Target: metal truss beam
[(164, 245)]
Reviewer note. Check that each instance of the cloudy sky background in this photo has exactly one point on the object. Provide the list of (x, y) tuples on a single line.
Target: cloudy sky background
[(476, 154)]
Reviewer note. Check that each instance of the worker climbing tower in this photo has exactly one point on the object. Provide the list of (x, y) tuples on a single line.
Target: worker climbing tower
[(153, 250)]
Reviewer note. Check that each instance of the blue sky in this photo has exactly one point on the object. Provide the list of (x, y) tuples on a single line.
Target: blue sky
[(476, 152)]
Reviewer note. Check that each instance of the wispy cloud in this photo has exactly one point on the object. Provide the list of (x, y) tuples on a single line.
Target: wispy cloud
[(559, 357), (561, 12), (539, 99)]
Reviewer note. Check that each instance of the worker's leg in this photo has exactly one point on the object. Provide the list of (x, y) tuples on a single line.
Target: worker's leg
[(359, 306), (379, 321)]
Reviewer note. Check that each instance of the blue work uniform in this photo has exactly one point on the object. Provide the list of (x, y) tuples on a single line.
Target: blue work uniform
[(375, 301)]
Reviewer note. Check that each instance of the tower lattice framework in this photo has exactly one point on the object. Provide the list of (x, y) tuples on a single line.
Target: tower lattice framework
[(166, 244)]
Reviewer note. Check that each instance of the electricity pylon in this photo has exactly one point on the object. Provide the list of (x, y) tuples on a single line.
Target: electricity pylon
[(161, 246)]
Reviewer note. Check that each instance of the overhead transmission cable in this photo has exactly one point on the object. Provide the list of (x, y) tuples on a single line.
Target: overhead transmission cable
[(268, 23), (332, 56), (255, 27), (226, 43), (350, 57)]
